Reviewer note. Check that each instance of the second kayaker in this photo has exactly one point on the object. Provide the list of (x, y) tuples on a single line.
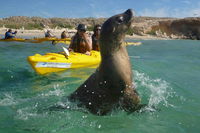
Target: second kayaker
[(49, 34), (64, 34), (9, 34), (81, 42), (95, 37)]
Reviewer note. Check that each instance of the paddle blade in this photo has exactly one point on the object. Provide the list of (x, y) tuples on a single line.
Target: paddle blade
[(66, 51)]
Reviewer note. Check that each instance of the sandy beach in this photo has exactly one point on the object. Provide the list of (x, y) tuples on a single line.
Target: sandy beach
[(21, 33), (146, 37), (27, 34)]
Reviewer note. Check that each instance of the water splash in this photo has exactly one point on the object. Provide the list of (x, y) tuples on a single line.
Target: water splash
[(25, 113), (8, 100), (157, 91)]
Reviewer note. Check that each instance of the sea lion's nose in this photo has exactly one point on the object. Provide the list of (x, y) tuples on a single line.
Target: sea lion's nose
[(129, 12)]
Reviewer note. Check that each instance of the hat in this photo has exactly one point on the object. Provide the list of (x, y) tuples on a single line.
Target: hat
[(82, 27)]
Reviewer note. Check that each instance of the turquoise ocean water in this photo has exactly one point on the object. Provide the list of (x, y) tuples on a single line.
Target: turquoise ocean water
[(166, 73)]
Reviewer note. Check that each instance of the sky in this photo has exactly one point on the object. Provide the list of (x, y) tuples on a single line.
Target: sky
[(99, 8)]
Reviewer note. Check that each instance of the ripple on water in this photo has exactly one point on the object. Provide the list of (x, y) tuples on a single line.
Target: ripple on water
[(7, 100)]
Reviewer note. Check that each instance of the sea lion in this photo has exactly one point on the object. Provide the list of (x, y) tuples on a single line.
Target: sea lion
[(111, 85)]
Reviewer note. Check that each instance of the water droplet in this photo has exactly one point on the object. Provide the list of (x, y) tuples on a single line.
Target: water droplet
[(84, 116), (36, 104), (57, 85), (99, 126)]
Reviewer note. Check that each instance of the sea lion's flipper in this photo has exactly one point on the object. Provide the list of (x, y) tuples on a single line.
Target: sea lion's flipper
[(84, 92), (130, 100)]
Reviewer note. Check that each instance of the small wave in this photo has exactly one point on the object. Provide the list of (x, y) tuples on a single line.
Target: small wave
[(157, 91), (8, 100), (135, 57), (55, 92), (25, 113)]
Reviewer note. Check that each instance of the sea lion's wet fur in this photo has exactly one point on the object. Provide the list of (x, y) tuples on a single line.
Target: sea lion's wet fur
[(111, 85)]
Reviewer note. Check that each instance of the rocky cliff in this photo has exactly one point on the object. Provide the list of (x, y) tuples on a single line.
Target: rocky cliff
[(187, 28)]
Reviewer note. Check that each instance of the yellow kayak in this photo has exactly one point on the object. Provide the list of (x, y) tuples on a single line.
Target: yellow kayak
[(65, 41), (55, 62), (13, 39), (38, 40), (133, 43), (55, 40)]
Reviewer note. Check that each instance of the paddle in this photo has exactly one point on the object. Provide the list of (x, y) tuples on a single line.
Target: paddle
[(66, 51)]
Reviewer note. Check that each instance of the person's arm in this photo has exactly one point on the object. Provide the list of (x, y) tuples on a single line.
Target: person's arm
[(10, 34), (71, 44), (14, 32)]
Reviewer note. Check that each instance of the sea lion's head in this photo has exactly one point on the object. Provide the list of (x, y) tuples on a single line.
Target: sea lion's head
[(114, 29)]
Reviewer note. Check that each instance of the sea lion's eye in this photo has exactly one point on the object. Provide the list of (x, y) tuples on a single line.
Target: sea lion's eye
[(120, 19)]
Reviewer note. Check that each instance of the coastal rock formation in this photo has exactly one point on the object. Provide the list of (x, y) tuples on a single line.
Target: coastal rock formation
[(188, 28)]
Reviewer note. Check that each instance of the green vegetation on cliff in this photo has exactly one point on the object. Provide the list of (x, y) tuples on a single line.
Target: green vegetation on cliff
[(30, 23)]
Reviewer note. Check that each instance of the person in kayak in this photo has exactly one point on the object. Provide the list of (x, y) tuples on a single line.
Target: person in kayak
[(64, 34), (49, 34), (81, 42), (9, 34), (95, 37)]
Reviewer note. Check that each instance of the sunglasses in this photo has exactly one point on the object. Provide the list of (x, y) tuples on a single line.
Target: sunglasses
[(98, 29)]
